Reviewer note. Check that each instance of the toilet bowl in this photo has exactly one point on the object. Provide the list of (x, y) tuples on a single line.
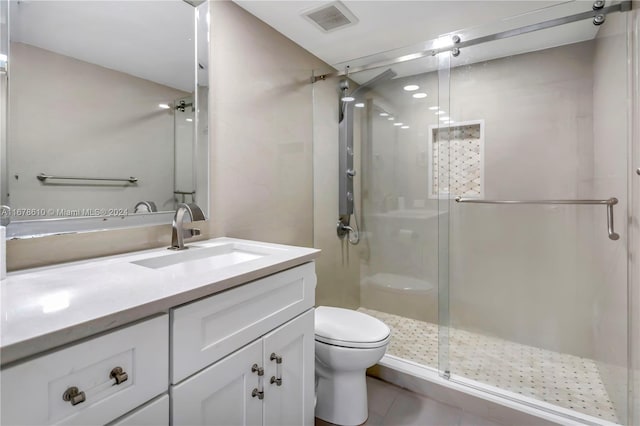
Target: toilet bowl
[(347, 342)]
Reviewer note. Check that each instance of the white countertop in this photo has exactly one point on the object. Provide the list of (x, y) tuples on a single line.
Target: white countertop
[(44, 308)]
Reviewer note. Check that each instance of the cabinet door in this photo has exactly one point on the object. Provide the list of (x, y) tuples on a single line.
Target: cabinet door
[(222, 393), (291, 401)]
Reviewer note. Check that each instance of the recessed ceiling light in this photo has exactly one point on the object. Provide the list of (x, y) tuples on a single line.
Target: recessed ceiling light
[(404, 127), (419, 95), (440, 112), (189, 120), (444, 118), (348, 99), (390, 118), (384, 114), (411, 87), (359, 105), (398, 124), (164, 106), (433, 108)]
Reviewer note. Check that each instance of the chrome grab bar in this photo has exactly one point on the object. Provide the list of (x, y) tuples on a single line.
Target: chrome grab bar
[(609, 203), (43, 177)]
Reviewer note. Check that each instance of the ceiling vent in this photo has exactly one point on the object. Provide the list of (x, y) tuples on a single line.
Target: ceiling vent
[(331, 17)]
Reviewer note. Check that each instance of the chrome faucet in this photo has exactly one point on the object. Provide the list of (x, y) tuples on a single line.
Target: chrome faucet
[(179, 231)]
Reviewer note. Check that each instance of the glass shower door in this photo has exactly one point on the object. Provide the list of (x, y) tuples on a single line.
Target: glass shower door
[(531, 169)]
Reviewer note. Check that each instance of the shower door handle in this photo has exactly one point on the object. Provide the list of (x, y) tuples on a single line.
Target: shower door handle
[(612, 234), (609, 203)]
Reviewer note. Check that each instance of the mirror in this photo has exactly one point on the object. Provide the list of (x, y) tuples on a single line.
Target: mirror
[(106, 113)]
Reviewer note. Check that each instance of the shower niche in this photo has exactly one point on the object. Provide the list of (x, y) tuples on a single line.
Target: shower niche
[(456, 154)]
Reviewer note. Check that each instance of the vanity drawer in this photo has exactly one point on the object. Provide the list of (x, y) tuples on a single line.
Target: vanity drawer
[(207, 330), (33, 392)]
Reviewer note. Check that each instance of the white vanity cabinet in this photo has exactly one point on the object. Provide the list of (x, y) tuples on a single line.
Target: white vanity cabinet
[(225, 346), (89, 383), (256, 344)]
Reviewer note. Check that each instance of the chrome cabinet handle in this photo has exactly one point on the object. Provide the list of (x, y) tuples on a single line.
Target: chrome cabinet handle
[(258, 370), (73, 395), (119, 375), (277, 379), (259, 391)]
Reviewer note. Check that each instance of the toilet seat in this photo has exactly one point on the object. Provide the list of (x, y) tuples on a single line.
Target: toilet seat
[(350, 329)]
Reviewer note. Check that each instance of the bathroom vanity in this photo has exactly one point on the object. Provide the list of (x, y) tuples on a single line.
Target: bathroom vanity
[(220, 334)]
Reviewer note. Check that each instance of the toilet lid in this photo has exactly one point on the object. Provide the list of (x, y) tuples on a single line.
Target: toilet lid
[(349, 328)]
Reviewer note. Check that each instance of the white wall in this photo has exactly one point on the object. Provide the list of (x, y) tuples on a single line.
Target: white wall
[(261, 132), (73, 118), (274, 161)]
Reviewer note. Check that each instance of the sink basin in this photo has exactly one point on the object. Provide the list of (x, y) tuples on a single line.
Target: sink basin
[(219, 256)]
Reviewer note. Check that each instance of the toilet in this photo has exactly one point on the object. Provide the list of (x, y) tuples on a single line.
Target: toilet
[(347, 342)]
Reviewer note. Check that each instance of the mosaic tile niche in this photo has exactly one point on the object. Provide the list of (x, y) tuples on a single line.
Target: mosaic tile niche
[(457, 155)]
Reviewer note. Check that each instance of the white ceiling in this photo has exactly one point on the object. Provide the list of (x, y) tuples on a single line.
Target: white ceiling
[(388, 26), (148, 39), (153, 39)]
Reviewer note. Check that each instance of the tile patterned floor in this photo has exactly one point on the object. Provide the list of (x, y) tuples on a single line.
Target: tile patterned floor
[(390, 405), (560, 379)]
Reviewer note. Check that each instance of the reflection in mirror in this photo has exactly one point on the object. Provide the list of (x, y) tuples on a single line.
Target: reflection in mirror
[(102, 112)]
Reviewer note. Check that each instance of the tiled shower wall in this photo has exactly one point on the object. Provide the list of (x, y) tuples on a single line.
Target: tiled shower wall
[(537, 110), (544, 276), (518, 272)]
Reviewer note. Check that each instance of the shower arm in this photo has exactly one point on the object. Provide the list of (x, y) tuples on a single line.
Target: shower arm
[(610, 202)]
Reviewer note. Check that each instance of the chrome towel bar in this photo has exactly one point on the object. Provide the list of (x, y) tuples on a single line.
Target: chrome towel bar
[(43, 177), (609, 203)]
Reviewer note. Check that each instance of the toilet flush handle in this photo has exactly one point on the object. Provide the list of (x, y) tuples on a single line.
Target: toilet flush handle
[(277, 379)]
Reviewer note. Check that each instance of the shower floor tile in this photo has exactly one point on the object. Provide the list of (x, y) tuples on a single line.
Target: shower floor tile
[(560, 379)]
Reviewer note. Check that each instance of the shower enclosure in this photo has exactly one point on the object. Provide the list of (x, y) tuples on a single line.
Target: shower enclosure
[(494, 207)]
